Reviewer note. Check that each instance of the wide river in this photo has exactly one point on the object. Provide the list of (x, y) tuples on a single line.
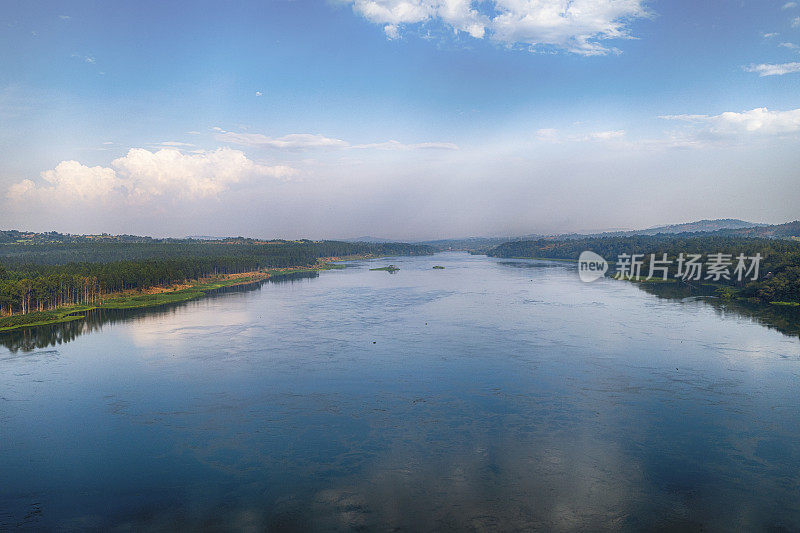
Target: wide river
[(493, 394)]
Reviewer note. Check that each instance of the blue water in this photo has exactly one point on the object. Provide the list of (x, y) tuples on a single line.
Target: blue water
[(491, 395)]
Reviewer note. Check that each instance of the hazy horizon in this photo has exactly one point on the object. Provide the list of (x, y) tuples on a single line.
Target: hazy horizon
[(381, 237)]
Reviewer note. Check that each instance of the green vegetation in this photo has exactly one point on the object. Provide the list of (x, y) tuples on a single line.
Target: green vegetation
[(41, 318), (438, 267), (128, 301), (779, 279), (389, 268), (42, 278)]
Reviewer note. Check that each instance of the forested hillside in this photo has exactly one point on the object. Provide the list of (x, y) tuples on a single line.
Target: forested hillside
[(36, 277), (779, 278)]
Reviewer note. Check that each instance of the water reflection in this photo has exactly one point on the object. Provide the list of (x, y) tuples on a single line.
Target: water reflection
[(38, 337), (785, 319)]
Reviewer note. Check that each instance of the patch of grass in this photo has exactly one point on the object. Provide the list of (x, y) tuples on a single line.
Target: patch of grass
[(390, 268), (42, 318), (152, 300), (787, 304)]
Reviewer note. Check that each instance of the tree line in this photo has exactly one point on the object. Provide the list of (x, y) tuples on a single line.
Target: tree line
[(44, 276)]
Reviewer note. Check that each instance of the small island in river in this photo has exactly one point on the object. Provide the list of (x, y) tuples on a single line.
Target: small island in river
[(388, 268)]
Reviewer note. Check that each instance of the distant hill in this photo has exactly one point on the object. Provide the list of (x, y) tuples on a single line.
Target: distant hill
[(731, 225), (471, 244), (699, 226), (32, 237), (370, 239), (789, 230)]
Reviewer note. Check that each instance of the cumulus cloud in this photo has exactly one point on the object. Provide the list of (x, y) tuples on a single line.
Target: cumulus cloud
[(789, 5), (302, 141), (577, 26), (756, 121), (769, 69), (69, 179), (142, 175)]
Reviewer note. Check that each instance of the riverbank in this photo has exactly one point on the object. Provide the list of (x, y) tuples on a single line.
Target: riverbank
[(156, 296)]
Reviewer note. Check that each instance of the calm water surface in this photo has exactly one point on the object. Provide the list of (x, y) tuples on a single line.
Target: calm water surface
[(490, 395)]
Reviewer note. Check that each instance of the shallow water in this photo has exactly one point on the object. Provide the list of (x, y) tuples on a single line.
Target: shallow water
[(492, 394)]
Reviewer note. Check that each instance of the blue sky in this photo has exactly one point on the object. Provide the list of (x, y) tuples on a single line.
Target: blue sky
[(403, 118)]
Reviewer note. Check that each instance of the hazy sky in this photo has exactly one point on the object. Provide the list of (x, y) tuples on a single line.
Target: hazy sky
[(406, 119)]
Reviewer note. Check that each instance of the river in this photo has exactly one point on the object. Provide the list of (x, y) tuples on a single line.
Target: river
[(488, 395)]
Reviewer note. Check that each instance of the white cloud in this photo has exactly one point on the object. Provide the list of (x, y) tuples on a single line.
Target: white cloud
[(64, 17), (392, 31), (554, 136), (176, 144), (789, 5), (606, 135), (295, 141), (463, 17), (768, 69), (396, 145), (756, 121), (770, 35), (200, 175), (142, 175), (395, 11), (259, 93), (577, 26), (547, 134), (69, 179), (790, 46), (303, 141), (796, 22)]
